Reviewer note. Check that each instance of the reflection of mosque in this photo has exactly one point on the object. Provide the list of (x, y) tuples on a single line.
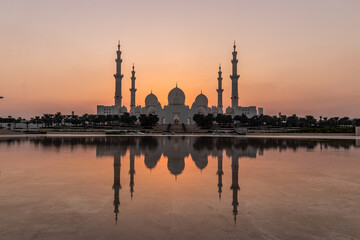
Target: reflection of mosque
[(176, 149)]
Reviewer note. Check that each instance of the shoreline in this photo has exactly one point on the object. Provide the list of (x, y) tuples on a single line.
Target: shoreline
[(251, 135)]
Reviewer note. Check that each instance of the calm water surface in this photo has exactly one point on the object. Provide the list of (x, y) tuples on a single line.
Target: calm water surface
[(179, 188)]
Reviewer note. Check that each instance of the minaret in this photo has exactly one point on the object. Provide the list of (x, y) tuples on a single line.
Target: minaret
[(118, 77), (132, 89), (132, 171), (220, 173), (117, 185), (234, 80), (220, 90), (235, 184)]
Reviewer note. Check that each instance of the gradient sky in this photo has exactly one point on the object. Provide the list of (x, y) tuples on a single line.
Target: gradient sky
[(294, 56)]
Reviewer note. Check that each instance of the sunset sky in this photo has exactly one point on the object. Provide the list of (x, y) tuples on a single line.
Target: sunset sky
[(294, 56)]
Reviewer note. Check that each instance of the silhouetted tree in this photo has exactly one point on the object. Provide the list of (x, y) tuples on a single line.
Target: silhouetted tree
[(148, 120), (243, 119), (58, 118), (224, 120), (128, 120), (204, 121)]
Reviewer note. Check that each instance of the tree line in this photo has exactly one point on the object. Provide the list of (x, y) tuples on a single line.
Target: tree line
[(86, 120), (280, 121), (204, 121)]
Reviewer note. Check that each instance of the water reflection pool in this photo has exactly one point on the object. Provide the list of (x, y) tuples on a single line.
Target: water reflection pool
[(179, 188)]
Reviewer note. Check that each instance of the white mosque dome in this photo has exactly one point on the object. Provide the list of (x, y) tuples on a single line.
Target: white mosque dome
[(201, 100), (151, 100), (229, 110), (176, 97)]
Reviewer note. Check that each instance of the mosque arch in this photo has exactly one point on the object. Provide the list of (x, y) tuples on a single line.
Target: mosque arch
[(176, 119)]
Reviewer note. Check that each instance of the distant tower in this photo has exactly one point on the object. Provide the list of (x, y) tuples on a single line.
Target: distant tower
[(235, 184), (132, 171), (234, 81), (117, 185), (220, 173), (132, 89), (220, 90), (118, 78)]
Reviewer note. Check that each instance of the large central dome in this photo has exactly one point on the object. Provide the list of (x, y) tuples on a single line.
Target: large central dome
[(176, 97)]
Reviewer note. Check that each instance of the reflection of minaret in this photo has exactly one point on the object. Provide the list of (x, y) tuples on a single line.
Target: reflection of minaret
[(132, 171), (220, 173), (132, 89), (220, 90), (235, 185), (117, 185), (234, 81), (118, 78)]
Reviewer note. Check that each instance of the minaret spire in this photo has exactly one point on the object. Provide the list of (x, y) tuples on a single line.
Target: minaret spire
[(118, 78), (220, 90), (234, 80), (132, 89)]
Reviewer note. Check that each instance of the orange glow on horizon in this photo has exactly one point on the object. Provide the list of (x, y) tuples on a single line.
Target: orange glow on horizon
[(293, 57)]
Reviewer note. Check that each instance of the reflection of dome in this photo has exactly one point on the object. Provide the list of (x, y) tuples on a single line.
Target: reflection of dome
[(176, 165), (176, 97), (200, 159), (201, 100), (151, 160), (229, 110), (151, 100)]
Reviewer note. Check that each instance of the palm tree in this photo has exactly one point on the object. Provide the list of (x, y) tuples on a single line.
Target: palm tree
[(58, 118)]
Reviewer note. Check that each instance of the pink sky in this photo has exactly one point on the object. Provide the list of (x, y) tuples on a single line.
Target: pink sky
[(294, 56)]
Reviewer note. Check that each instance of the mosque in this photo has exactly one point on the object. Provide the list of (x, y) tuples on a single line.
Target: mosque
[(176, 112)]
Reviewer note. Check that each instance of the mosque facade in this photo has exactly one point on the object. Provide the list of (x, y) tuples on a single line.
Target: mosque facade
[(176, 112)]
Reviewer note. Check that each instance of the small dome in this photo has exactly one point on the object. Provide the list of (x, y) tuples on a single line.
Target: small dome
[(176, 97), (143, 111), (151, 100), (215, 110), (123, 109), (201, 100), (201, 110), (151, 110), (229, 110)]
